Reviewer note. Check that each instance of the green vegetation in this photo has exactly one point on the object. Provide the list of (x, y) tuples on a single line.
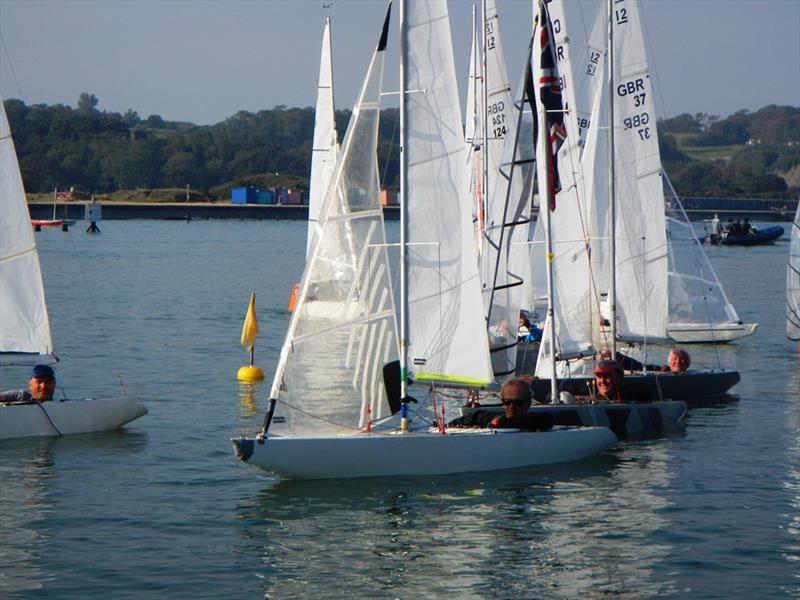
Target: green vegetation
[(124, 156), (748, 154)]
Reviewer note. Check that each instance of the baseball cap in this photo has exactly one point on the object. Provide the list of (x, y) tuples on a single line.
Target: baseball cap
[(43, 371)]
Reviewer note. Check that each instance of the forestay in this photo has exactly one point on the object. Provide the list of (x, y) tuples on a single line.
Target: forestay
[(24, 324), (343, 331), (447, 339)]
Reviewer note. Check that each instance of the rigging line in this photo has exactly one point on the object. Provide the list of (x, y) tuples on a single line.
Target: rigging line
[(93, 302), (11, 66), (708, 315), (317, 417), (49, 420)]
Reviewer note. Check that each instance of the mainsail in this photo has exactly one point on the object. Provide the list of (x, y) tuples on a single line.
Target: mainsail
[(501, 198), (325, 145), (24, 324), (343, 330), (641, 241), (446, 329)]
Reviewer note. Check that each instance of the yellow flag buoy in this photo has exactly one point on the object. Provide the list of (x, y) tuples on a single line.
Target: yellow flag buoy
[(249, 333)]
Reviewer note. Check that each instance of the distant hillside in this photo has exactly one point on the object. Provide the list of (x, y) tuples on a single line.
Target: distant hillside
[(747, 154)]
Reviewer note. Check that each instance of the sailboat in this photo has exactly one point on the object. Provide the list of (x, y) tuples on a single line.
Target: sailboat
[(331, 415), (64, 223), (793, 281), (624, 277), (25, 337)]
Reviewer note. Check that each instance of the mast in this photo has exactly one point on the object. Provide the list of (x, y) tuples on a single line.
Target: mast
[(612, 283), (545, 202), (403, 217), (485, 122)]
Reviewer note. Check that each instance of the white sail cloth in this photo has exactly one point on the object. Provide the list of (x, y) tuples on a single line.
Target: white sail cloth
[(24, 324), (325, 144), (446, 329), (343, 329)]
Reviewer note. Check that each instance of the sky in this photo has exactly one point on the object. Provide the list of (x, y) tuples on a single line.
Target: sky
[(204, 60)]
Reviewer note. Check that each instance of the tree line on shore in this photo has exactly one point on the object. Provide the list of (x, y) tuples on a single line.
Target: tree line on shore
[(750, 154)]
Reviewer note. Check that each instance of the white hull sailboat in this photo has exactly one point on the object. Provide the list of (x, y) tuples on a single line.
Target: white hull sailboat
[(334, 410), (423, 453), (67, 417), (702, 333), (24, 324)]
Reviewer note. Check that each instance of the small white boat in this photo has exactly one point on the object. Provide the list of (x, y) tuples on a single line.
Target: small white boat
[(698, 333), (25, 334), (67, 416)]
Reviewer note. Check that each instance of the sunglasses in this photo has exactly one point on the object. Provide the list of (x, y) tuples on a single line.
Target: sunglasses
[(515, 402)]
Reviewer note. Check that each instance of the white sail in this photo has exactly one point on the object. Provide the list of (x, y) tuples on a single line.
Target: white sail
[(576, 315), (504, 256), (343, 330), (24, 324), (325, 145), (446, 329), (793, 281), (641, 241), (695, 294)]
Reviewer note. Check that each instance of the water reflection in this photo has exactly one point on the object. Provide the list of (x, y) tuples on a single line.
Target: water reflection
[(26, 474), (248, 392), (564, 530), (30, 470), (791, 549)]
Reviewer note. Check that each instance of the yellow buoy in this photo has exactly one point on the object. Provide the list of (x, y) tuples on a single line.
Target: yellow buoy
[(249, 374), (249, 333)]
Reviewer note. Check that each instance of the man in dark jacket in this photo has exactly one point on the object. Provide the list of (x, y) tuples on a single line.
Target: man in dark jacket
[(516, 398)]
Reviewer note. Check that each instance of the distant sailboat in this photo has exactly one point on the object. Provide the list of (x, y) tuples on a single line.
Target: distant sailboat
[(25, 333)]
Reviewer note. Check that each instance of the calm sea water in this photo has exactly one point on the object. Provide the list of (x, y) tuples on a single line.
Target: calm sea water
[(164, 509)]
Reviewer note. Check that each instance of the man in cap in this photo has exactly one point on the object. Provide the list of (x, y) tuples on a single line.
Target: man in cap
[(41, 386)]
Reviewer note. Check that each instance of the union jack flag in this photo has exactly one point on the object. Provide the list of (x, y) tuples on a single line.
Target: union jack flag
[(545, 76)]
